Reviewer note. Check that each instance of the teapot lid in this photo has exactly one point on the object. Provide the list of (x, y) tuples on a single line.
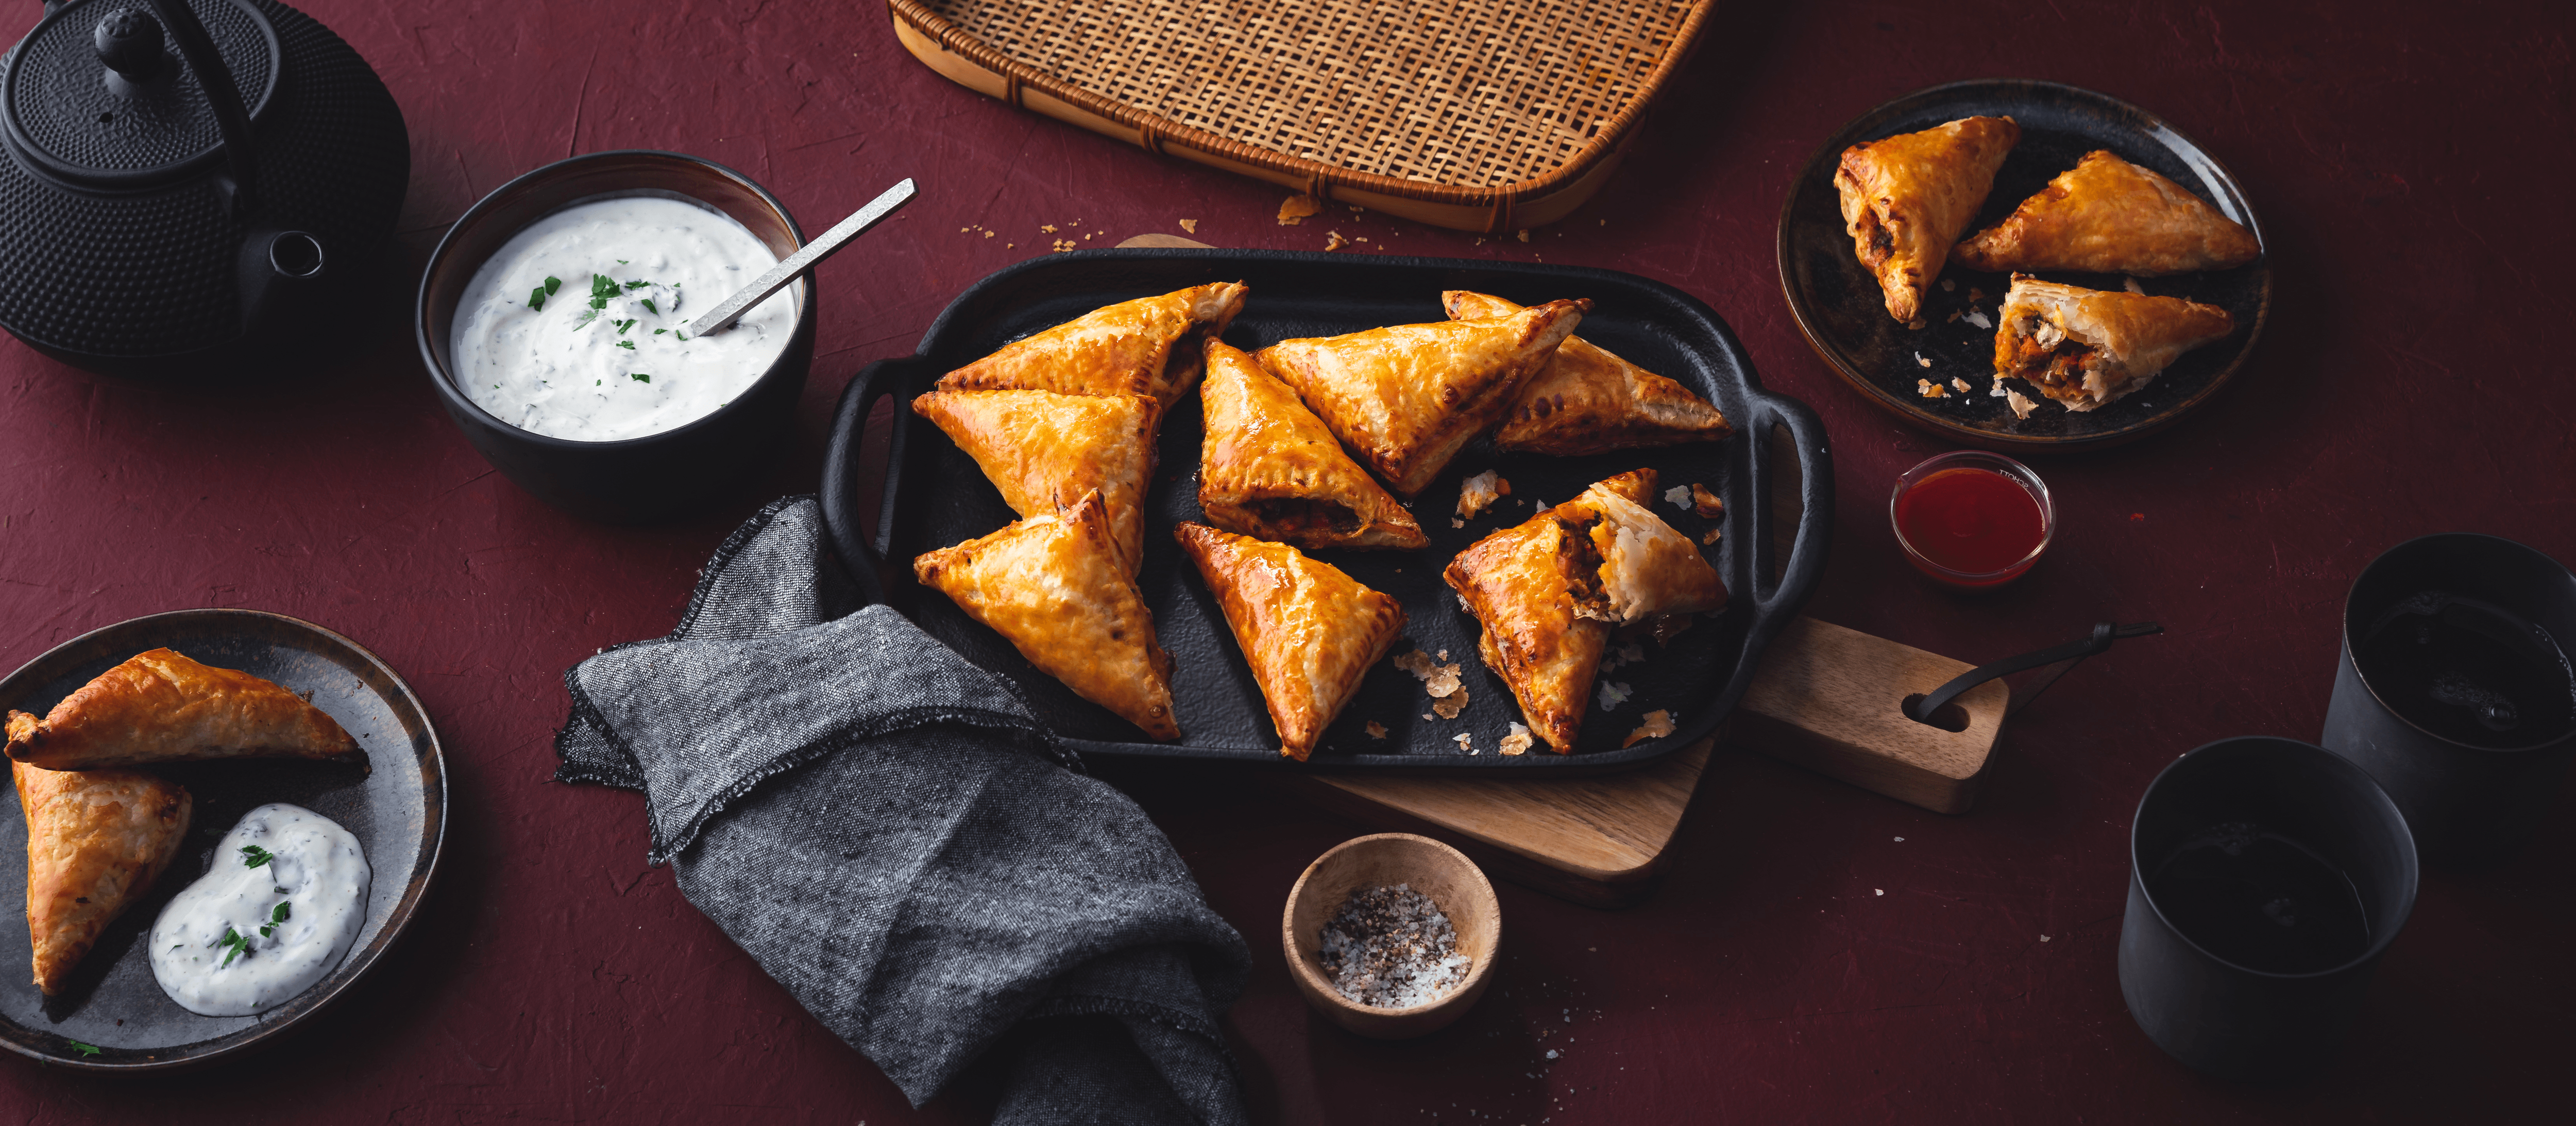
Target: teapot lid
[(95, 97)]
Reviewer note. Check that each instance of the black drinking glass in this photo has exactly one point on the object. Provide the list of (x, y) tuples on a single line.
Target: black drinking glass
[(2454, 688), (2266, 878)]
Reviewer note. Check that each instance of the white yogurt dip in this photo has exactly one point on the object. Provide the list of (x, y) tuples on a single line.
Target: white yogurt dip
[(280, 907), (578, 327)]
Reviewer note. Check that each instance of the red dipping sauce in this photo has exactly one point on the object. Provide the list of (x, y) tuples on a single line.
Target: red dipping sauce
[(1972, 519)]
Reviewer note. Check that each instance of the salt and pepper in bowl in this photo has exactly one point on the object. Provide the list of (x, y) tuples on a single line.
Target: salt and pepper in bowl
[(1392, 935)]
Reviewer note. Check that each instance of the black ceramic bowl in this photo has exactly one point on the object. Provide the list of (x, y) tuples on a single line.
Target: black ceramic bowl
[(634, 480)]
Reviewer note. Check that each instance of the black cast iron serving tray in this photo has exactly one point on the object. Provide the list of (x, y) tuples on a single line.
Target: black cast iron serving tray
[(936, 496), (113, 1016)]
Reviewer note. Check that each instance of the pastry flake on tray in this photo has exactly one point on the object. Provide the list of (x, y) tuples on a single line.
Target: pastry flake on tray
[(1045, 450), (1907, 198), (1587, 400), (2108, 216), (1056, 588), (2087, 347), (1407, 398), (161, 706), (1309, 631), (1549, 590), (1143, 347), (96, 839), (1269, 468)]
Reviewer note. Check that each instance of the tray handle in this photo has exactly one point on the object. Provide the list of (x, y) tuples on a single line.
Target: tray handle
[(1776, 598), (843, 472)]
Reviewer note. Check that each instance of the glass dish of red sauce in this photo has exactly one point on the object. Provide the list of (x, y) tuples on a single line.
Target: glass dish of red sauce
[(1972, 519)]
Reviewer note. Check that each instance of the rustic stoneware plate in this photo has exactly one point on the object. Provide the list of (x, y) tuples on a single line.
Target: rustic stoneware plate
[(396, 806), (1838, 306)]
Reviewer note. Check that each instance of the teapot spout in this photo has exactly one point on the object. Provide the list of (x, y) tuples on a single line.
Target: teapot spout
[(283, 274)]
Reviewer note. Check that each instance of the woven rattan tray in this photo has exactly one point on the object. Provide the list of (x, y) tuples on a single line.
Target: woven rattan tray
[(1478, 115)]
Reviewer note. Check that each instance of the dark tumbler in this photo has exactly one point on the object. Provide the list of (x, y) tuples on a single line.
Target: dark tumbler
[(2453, 689), (2237, 846)]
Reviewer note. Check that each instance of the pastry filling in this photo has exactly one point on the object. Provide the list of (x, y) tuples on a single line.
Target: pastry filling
[(2045, 355), (1293, 515), (1582, 562)]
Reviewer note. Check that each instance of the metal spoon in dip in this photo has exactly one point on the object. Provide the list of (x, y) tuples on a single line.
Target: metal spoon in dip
[(732, 308)]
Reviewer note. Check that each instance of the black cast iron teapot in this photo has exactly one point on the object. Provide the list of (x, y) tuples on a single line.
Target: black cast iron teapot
[(193, 186)]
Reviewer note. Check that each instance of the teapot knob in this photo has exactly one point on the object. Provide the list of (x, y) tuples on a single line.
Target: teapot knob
[(129, 42)]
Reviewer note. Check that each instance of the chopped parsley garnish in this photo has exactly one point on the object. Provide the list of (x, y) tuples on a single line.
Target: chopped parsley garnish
[(232, 943), (601, 289), (639, 377), (629, 345), (623, 325), (537, 297), (637, 284), (274, 918), (84, 1049), (683, 337), (649, 307), (621, 261), (660, 331), (254, 856)]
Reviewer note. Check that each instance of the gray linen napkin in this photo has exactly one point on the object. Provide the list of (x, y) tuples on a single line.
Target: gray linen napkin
[(892, 836)]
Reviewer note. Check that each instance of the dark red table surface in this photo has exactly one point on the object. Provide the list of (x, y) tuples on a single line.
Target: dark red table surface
[(1817, 953)]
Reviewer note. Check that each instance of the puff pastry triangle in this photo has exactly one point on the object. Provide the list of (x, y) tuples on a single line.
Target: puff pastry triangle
[(161, 706), (1549, 590), (1644, 568), (2086, 347), (2108, 216), (1141, 347), (1407, 398), (1587, 400), (1907, 198), (1269, 468), (1044, 450), (1055, 587), (1521, 583), (1309, 631), (96, 840)]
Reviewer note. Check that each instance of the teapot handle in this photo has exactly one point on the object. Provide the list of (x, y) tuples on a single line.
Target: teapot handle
[(231, 119)]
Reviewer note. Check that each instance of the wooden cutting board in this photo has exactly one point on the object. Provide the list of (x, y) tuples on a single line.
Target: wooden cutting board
[(1826, 697)]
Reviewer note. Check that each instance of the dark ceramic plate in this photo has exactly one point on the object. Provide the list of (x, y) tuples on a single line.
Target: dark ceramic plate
[(936, 496), (1838, 305), (397, 809)]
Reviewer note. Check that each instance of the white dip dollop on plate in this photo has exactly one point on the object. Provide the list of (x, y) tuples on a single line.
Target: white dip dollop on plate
[(578, 327), (279, 908)]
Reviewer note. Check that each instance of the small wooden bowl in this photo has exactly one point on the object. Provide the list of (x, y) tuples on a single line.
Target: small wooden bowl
[(1428, 866)]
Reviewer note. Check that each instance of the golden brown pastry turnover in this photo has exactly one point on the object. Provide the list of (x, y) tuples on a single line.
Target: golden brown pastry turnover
[(1148, 346), (1587, 400), (1549, 590), (2108, 216), (96, 839), (1406, 398), (1309, 631), (1523, 584), (1906, 199), (1647, 569), (162, 707), (1055, 587), (1269, 468), (1044, 450), (2087, 347)]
